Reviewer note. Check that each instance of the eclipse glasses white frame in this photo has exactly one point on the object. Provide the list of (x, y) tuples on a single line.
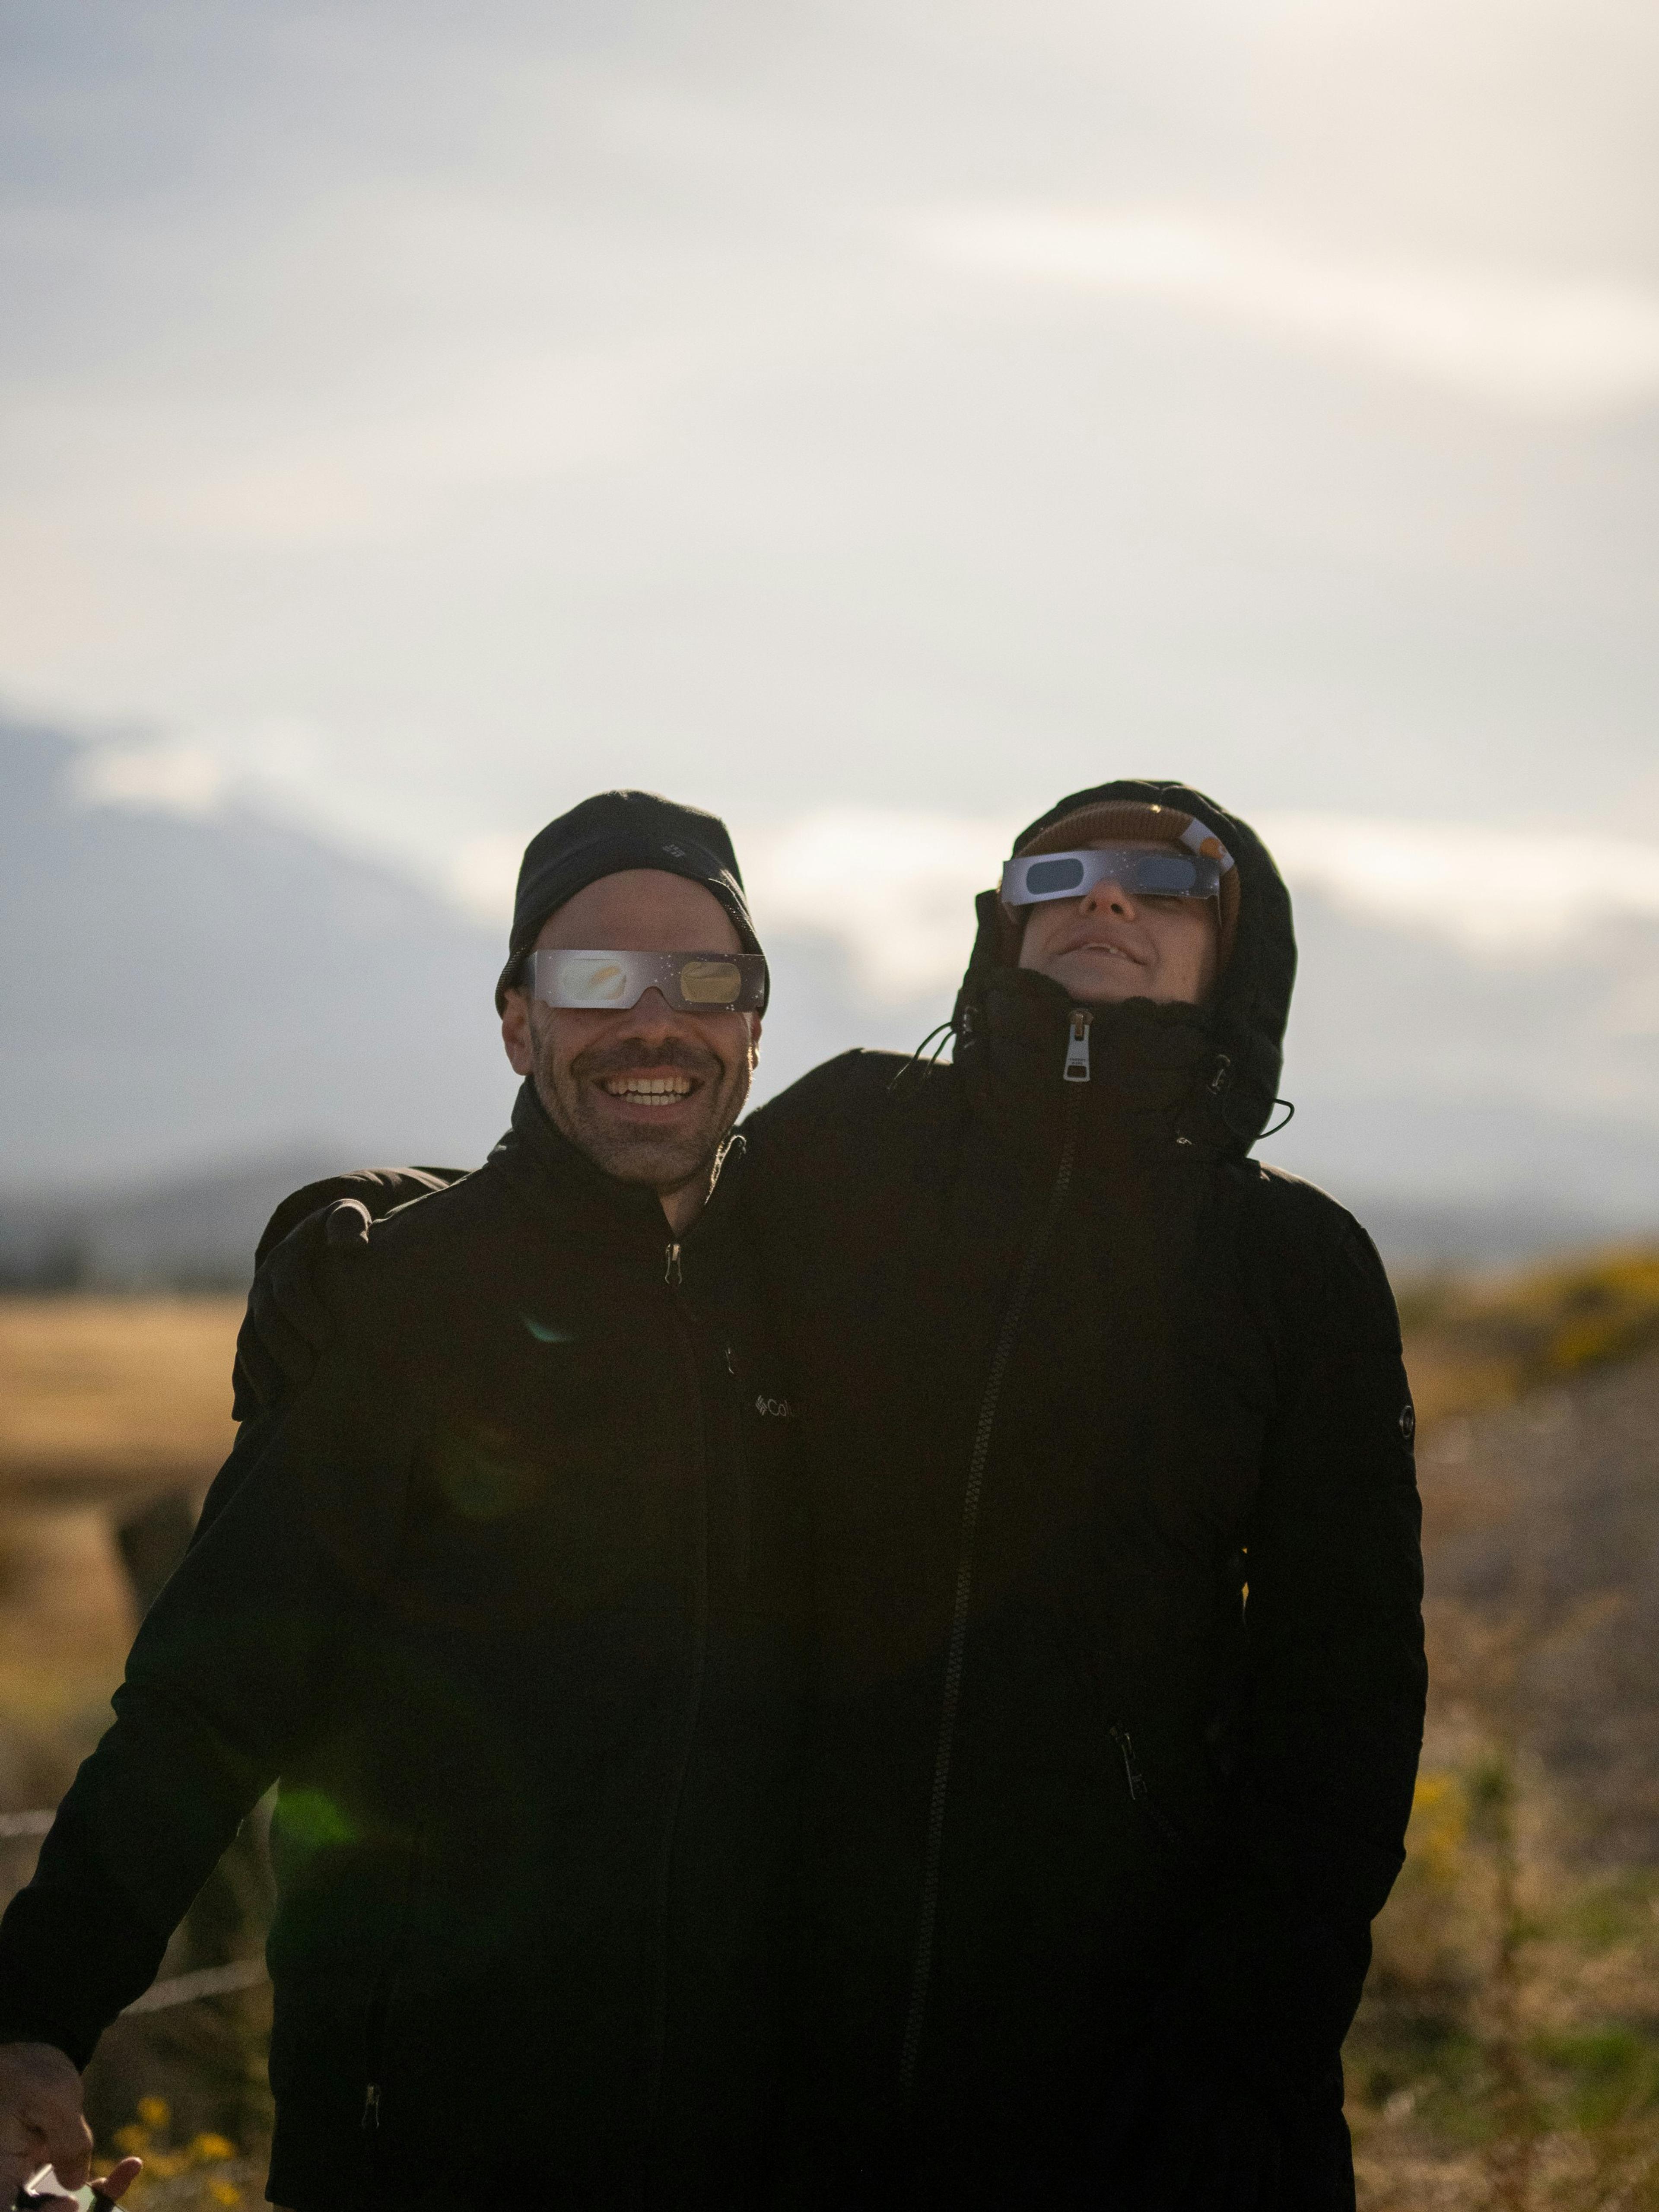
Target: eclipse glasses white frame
[(692, 982), (1038, 877)]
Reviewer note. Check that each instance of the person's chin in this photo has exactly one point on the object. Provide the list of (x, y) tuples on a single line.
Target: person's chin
[(637, 1149), (1105, 982)]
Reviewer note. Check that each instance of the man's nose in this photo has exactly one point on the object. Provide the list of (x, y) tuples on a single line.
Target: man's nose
[(651, 1016)]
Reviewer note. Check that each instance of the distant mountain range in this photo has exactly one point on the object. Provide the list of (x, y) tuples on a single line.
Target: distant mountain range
[(198, 1012)]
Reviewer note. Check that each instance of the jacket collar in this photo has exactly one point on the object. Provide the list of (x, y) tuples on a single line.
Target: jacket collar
[(552, 1171), (1156, 1080)]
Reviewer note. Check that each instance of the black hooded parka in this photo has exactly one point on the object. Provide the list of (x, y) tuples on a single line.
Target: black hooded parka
[(511, 1599), (1120, 1666)]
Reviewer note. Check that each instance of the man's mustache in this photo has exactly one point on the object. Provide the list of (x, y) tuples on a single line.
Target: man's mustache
[(599, 1060)]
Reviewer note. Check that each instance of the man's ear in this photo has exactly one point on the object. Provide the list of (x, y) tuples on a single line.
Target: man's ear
[(516, 1036), (754, 1022)]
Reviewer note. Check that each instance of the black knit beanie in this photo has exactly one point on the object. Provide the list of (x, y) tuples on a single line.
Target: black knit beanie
[(611, 831)]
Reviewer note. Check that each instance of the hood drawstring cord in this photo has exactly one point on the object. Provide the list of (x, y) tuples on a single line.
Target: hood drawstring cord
[(944, 1031), (1220, 1075), (1216, 1089)]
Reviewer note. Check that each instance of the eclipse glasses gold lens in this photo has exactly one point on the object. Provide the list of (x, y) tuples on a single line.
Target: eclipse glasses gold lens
[(692, 982)]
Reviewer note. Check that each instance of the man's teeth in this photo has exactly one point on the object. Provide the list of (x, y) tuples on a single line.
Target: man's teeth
[(650, 1089)]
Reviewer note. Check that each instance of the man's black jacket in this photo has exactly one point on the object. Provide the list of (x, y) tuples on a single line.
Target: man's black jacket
[(1090, 1827), (510, 1601)]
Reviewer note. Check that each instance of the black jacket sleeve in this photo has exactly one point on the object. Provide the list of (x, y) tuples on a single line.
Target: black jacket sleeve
[(1336, 1679), (230, 1677)]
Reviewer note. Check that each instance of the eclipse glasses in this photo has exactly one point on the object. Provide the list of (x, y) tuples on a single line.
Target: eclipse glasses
[(1142, 874), (692, 982)]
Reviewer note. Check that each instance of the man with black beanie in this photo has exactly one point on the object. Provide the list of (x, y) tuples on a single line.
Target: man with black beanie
[(508, 1601)]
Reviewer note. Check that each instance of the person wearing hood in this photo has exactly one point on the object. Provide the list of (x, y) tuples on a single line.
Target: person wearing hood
[(1120, 1673), (1119, 1661)]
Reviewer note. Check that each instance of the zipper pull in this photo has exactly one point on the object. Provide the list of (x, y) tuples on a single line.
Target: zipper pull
[(671, 1268), (1132, 1773), (372, 2106), (1077, 1046)]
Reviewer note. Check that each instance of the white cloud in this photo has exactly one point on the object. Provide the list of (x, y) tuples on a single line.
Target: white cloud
[(168, 777), (895, 890), (309, 471), (1547, 344), (1493, 891), (482, 875)]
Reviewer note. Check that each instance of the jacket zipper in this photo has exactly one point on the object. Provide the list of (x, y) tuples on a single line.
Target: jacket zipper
[(1077, 1056), (1132, 1773), (673, 1278), (1139, 1793), (1076, 1069), (379, 2003)]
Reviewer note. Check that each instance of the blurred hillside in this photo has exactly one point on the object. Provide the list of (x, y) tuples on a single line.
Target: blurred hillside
[(177, 991)]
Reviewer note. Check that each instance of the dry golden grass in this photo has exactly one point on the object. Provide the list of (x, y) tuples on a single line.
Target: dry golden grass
[(1473, 1345), (105, 1405), (97, 1394), (1506, 2058)]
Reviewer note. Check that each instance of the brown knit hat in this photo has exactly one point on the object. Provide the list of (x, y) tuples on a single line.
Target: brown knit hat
[(1167, 825)]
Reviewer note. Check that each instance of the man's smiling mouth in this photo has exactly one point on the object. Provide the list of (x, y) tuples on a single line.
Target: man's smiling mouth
[(656, 1091)]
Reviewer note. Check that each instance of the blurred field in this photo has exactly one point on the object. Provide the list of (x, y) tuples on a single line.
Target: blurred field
[(1507, 2055), (100, 1394), (109, 1409), (1471, 1345), (114, 1415)]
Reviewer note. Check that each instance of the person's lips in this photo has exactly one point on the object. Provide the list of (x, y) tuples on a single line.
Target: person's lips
[(1093, 940), (658, 1084), (653, 1093)]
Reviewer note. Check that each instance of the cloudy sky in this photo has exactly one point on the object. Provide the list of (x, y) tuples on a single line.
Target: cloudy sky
[(869, 417)]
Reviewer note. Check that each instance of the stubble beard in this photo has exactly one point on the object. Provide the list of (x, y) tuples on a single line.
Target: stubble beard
[(666, 1161)]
